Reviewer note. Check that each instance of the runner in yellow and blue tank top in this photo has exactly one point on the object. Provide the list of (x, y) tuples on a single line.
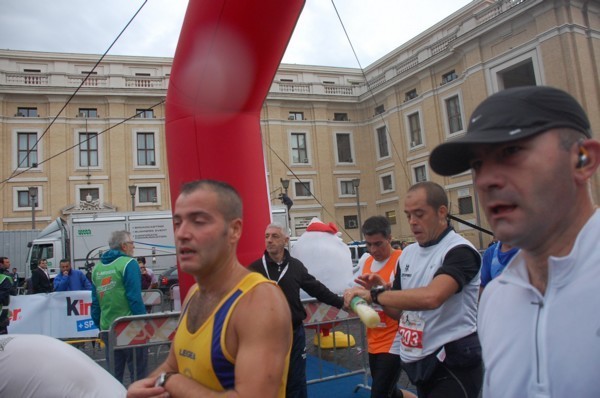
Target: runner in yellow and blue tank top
[(235, 331), (202, 354)]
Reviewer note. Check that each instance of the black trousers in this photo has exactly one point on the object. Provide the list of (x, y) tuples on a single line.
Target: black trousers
[(385, 372), (453, 382)]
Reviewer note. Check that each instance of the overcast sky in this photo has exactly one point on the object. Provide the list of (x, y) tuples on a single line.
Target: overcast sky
[(375, 27)]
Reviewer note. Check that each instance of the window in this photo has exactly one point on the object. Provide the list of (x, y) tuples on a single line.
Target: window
[(340, 117), (346, 188), (351, 222), (27, 112), (146, 149), (382, 142), (414, 129), (27, 155), (465, 205), (89, 194), (89, 72), (391, 216), (144, 113), (344, 148), (296, 116), (88, 149), (410, 95), (379, 109), (143, 74), (88, 112), (32, 70), (448, 77), (147, 194), (387, 183), (520, 70), (420, 173), (302, 189), (521, 74), (299, 148), (453, 114), (39, 251), (23, 199)]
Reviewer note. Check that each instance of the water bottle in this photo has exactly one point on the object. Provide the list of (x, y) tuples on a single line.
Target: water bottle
[(367, 315)]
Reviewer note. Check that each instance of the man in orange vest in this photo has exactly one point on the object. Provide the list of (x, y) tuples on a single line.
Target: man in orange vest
[(384, 361)]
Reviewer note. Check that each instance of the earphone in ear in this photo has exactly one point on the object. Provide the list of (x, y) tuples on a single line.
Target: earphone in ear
[(583, 157)]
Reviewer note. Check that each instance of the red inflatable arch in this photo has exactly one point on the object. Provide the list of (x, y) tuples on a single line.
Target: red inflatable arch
[(226, 58)]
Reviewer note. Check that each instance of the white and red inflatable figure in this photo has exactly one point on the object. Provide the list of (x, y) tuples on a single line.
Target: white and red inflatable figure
[(227, 55), (325, 256), (328, 259)]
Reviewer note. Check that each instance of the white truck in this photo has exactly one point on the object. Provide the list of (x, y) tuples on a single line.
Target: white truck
[(84, 237)]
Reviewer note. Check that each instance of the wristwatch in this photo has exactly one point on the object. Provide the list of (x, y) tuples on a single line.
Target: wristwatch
[(375, 292), (162, 378)]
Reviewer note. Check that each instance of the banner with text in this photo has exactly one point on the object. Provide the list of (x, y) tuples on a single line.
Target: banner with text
[(64, 315)]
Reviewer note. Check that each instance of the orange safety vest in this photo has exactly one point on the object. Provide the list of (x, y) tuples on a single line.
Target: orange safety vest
[(382, 337)]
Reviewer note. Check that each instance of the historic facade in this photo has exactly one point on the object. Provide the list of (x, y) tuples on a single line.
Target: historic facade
[(325, 129)]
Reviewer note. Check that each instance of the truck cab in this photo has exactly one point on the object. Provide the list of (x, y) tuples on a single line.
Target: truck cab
[(48, 245)]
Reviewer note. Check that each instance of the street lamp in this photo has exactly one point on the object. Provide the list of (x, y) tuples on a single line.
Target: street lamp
[(132, 193), (285, 184), (285, 199), (355, 184), (33, 191)]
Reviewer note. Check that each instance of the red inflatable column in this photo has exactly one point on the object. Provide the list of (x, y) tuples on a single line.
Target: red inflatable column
[(226, 58)]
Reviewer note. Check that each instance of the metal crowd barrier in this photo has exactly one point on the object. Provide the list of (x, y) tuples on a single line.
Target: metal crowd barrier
[(337, 360), (153, 298), (141, 331), (158, 330)]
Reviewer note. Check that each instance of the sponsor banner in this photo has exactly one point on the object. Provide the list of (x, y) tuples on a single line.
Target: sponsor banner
[(63, 315)]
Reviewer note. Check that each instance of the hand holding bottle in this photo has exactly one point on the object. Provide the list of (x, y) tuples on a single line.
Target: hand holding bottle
[(367, 315)]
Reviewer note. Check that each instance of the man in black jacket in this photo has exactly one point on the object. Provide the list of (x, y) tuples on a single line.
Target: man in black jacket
[(40, 280), (291, 275)]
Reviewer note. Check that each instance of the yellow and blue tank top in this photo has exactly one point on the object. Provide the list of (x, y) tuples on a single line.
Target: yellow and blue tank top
[(202, 355)]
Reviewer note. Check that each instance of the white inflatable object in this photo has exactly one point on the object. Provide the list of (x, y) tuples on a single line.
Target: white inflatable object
[(325, 256), (38, 366)]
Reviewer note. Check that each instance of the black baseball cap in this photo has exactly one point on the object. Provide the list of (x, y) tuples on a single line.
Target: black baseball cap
[(510, 115)]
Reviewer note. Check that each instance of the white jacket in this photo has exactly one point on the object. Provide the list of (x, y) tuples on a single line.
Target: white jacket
[(545, 346)]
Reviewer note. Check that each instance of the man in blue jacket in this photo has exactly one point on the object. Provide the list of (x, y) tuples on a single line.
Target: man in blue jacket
[(70, 279), (117, 292)]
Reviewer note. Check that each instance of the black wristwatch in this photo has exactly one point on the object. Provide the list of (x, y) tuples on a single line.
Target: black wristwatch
[(375, 292), (162, 378)]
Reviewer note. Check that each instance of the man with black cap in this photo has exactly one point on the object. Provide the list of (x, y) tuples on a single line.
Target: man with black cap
[(532, 156)]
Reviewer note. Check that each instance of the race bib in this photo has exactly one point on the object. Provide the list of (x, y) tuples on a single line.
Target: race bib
[(410, 329)]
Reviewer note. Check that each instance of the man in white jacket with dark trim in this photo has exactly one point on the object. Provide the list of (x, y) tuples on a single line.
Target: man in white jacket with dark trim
[(533, 156)]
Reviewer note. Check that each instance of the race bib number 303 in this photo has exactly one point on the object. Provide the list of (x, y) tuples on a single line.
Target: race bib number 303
[(410, 329)]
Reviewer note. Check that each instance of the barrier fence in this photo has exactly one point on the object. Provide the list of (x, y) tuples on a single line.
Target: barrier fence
[(141, 331), (153, 299), (344, 337), (340, 359)]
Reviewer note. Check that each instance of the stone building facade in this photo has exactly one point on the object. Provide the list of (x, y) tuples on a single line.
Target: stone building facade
[(324, 128)]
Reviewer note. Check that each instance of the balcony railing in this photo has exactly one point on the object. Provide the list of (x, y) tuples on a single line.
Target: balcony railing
[(145, 82), (27, 79), (92, 81)]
